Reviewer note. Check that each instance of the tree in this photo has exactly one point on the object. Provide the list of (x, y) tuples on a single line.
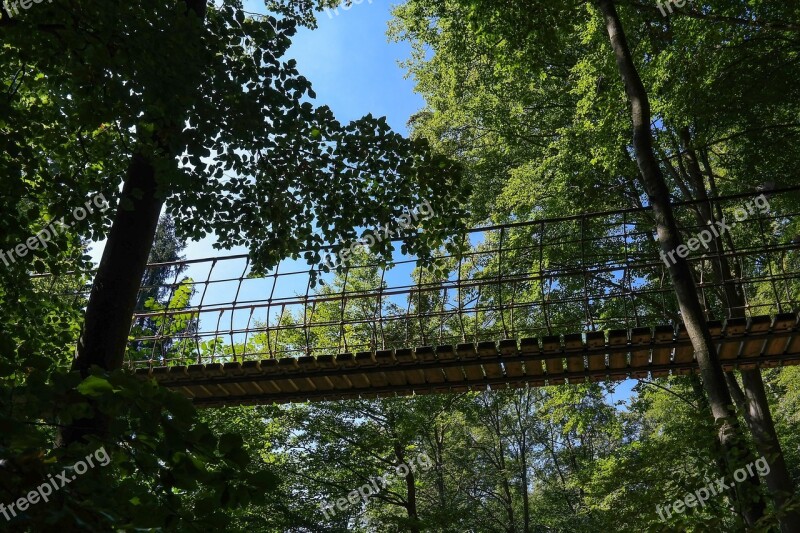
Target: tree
[(228, 94), (167, 248), (157, 294), (669, 237), (144, 95), (540, 144)]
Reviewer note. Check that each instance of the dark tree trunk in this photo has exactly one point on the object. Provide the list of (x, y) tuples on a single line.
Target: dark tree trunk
[(522, 407), (757, 414), (109, 311), (716, 448), (116, 286), (411, 489), (752, 402), (730, 435)]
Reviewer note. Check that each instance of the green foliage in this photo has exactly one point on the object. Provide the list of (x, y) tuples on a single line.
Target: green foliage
[(239, 150), (160, 453), (523, 103)]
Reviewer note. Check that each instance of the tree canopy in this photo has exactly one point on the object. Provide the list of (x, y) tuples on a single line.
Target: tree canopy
[(192, 119)]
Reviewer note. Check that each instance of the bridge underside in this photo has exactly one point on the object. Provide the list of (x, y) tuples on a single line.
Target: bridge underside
[(637, 353)]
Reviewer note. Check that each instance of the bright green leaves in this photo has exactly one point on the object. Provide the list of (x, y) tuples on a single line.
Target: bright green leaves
[(95, 386), (170, 469), (238, 150)]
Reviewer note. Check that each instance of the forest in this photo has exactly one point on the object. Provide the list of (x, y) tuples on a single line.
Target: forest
[(540, 274)]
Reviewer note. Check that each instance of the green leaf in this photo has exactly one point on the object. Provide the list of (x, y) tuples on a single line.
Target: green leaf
[(94, 386)]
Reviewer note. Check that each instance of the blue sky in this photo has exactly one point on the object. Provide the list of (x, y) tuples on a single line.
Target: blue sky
[(354, 70)]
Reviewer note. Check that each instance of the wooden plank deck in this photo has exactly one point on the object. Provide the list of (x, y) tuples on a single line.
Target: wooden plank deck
[(761, 342)]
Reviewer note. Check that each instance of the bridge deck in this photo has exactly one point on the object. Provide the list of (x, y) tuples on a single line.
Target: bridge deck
[(638, 353)]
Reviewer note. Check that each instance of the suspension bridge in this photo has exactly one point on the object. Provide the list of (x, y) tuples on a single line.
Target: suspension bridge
[(561, 300)]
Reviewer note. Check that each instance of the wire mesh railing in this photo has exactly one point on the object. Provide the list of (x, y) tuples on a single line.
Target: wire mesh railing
[(589, 272)]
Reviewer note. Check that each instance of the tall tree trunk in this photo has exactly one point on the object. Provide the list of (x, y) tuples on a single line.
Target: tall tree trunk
[(411, 489), (755, 408), (730, 435), (526, 506), (116, 285), (752, 402), (440, 485), (716, 448), (522, 406), (497, 454)]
